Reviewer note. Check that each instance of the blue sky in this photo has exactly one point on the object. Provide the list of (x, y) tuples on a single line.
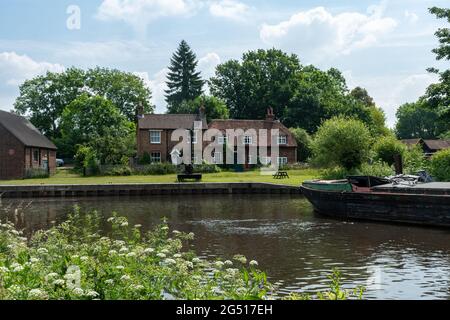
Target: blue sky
[(384, 45)]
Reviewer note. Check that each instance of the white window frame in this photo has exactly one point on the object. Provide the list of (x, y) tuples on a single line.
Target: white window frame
[(248, 140), (265, 161), (154, 158), (217, 157), (282, 161), (282, 140), (222, 140), (151, 137)]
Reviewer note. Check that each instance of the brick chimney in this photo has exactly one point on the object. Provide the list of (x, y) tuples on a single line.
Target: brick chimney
[(201, 113), (270, 116)]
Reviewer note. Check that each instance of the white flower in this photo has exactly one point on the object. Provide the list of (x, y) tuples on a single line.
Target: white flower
[(109, 281), (123, 249), (164, 228), (189, 264), (125, 277), (78, 291), (42, 251), (112, 252), (84, 258), (51, 276), (241, 290), (219, 264), (177, 256), (111, 219), (149, 250), (228, 263), (59, 282), (131, 254), (161, 255), (92, 294), (196, 260), (176, 232), (37, 294), (137, 287), (165, 251), (34, 260), (3, 269), (170, 261), (18, 269), (74, 257), (120, 267), (124, 224), (138, 226), (253, 263)]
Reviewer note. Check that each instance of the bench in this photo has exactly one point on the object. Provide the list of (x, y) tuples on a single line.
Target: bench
[(281, 175), (184, 177)]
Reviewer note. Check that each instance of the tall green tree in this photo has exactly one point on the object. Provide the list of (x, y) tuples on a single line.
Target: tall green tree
[(96, 122), (264, 78), (214, 108), (438, 94), (184, 82), (417, 120), (44, 98)]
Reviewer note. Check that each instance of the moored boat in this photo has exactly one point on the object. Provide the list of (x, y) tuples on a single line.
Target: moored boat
[(372, 198)]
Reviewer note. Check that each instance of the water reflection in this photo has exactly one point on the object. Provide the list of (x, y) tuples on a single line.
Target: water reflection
[(297, 249)]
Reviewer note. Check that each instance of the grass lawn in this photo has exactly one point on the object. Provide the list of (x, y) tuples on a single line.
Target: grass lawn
[(66, 177)]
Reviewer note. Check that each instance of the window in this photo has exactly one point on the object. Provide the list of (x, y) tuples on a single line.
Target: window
[(217, 157), (222, 140), (282, 139), (265, 161), (248, 140), (282, 161), (36, 155), (155, 137), (155, 157)]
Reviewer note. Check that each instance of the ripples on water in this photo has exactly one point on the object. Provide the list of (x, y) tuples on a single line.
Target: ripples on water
[(295, 247)]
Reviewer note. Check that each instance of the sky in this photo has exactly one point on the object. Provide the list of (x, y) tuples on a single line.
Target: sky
[(384, 46)]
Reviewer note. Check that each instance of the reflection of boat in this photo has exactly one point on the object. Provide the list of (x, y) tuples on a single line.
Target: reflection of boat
[(372, 198)]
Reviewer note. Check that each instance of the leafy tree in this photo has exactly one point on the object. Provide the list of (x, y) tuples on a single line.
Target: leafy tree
[(183, 81), (44, 98), (440, 165), (386, 148), (304, 142), (95, 122), (417, 120), (214, 107), (361, 94), (342, 142), (264, 78), (438, 94)]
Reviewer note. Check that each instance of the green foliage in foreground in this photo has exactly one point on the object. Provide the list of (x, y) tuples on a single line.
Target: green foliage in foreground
[(77, 261), (440, 165)]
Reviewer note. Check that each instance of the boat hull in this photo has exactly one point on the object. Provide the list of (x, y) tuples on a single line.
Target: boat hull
[(422, 209)]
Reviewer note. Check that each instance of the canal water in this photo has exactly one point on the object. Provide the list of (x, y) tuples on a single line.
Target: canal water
[(297, 248)]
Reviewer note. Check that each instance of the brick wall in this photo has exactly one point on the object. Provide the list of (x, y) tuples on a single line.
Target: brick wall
[(11, 156)]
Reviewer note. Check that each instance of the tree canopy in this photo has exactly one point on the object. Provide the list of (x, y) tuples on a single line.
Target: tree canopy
[(214, 108), (45, 97), (184, 82), (96, 122)]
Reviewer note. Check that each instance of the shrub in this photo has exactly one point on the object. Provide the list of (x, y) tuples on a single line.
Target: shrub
[(386, 148), (206, 168), (36, 173), (304, 142), (144, 159), (414, 160), (377, 169), (86, 161), (116, 170), (440, 165), (156, 169), (341, 142)]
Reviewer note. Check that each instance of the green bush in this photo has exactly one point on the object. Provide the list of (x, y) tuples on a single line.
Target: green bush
[(78, 261), (304, 142), (386, 148), (341, 142), (36, 173), (156, 169), (440, 165), (377, 169), (86, 161), (117, 170), (145, 159), (414, 160), (206, 168)]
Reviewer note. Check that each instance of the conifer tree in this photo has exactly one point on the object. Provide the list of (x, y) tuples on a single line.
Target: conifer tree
[(183, 81)]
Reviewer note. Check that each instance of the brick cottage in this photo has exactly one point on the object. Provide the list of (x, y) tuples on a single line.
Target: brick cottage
[(155, 130), (23, 148)]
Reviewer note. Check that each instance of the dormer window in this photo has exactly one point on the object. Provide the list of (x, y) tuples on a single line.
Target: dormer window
[(282, 139)]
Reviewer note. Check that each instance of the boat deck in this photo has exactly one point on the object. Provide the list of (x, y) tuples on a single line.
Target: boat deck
[(441, 188)]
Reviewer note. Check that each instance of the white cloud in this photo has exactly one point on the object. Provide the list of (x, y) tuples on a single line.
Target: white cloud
[(229, 9), (207, 64), (139, 13), (318, 33), (411, 16), (15, 68)]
